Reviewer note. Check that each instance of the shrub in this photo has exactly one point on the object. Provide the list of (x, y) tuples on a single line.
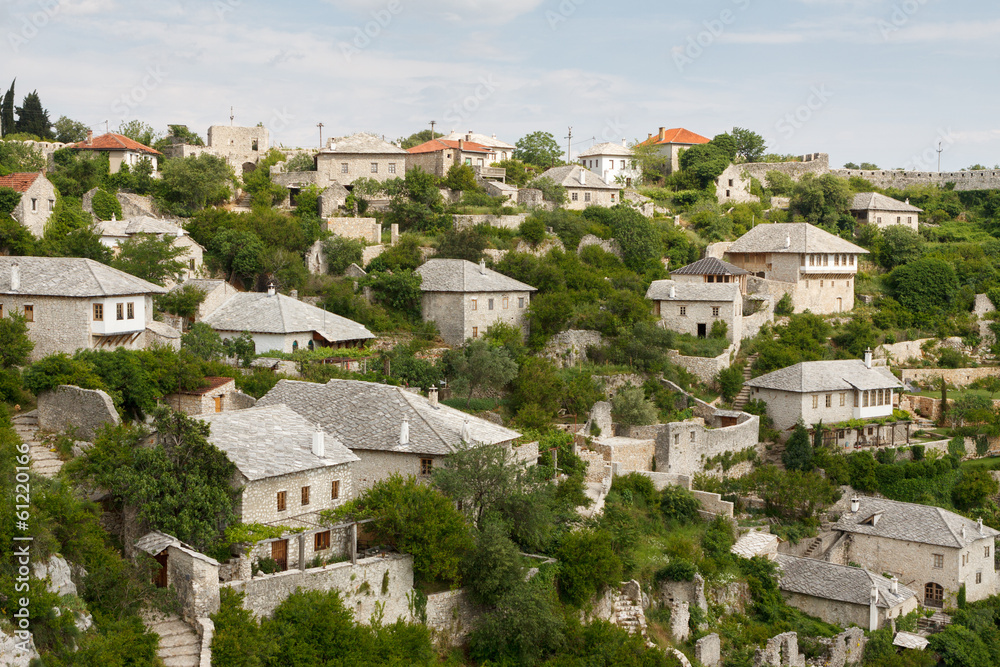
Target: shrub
[(532, 230), (678, 504), (587, 564), (678, 569), (784, 305), (105, 205), (340, 253), (719, 329), (630, 407)]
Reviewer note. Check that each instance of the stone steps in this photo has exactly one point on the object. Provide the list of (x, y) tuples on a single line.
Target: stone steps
[(813, 547), (179, 644), (44, 461), (743, 397)]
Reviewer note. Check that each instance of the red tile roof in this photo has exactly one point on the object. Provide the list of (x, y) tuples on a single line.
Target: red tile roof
[(114, 142), (20, 181), (677, 135), (435, 145)]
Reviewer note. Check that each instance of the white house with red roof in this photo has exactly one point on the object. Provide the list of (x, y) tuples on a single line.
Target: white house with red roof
[(38, 199), (438, 155), (120, 149), (670, 143)]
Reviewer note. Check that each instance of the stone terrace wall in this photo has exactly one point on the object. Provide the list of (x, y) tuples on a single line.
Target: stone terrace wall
[(610, 245), (67, 406), (451, 615), (733, 185), (704, 368), (959, 377), (366, 229), (568, 348), (500, 221)]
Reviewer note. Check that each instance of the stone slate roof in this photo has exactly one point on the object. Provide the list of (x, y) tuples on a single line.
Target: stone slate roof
[(163, 330), (113, 142), (568, 176), (841, 583), (141, 224), (801, 237), (206, 285), (361, 143), (659, 290), (71, 277), (259, 312), (155, 542), (814, 376), (271, 441), (460, 275), (755, 543), (912, 523), (910, 640), (607, 148), (483, 139), (366, 415), (710, 266), (873, 201), (20, 181)]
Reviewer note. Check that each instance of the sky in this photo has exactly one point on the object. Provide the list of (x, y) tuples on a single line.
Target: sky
[(881, 81)]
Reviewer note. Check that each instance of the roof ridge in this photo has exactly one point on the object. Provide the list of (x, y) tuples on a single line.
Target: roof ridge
[(944, 519), (407, 398)]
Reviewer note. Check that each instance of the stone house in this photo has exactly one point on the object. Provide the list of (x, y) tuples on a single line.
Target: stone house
[(813, 266), (439, 155), (500, 150), (711, 270), (72, 303), (391, 429), (283, 323), (876, 209), (843, 595), (220, 395), (120, 150), (194, 575), (345, 159), (241, 147), (929, 549), (693, 308), (464, 299), (614, 163), (38, 200), (829, 392), (583, 187), (288, 471), (113, 232), (670, 144)]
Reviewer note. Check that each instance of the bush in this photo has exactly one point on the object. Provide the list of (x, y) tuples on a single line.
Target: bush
[(678, 569), (340, 253), (719, 329), (630, 407), (105, 205), (587, 564), (679, 504), (532, 230), (730, 381), (784, 305)]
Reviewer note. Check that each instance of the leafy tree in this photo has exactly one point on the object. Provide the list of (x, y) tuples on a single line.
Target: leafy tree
[(9, 199), (70, 233), (824, 200), (363, 192), (784, 306), (418, 204), (467, 244), (493, 566), (479, 366), (340, 252), (136, 130), (15, 239), (858, 335), (532, 230), (652, 161), (7, 123), (798, 454), (183, 135), (481, 478), (779, 183), (719, 330), (15, 346), (630, 407), (551, 191), (239, 254), (399, 292), (151, 257), (182, 302), (899, 245), (730, 380), (56, 369), (538, 148), (203, 342), (241, 348), (792, 494), (925, 285), (419, 520), (538, 385), (415, 139), (32, 118), (679, 504), (517, 172), (587, 564), (959, 646), (705, 162), (17, 156), (461, 177), (301, 162), (636, 235), (78, 172), (750, 146), (105, 204), (194, 182), (973, 489), (263, 191)]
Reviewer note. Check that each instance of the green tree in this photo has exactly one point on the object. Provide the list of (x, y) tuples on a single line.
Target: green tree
[(194, 182), (301, 162), (705, 162), (730, 381), (7, 123), (973, 489), (151, 257), (105, 204), (551, 191), (858, 335), (532, 230), (925, 285), (417, 138), (823, 200), (203, 342), (630, 407), (237, 253), (15, 346), (538, 385), (17, 156), (750, 146), (340, 252), (678, 504), (69, 131), (481, 479), (418, 204), (636, 234), (263, 191), (32, 118), (899, 245), (461, 177), (959, 646), (70, 233), (467, 244), (779, 183), (182, 301), (587, 564), (241, 348), (400, 292), (479, 366), (136, 130), (538, 148), (493, 567), (517, 173), (798, 454)]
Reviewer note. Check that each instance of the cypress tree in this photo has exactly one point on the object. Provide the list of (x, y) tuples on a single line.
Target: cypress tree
[(7, 111), (32, 118)]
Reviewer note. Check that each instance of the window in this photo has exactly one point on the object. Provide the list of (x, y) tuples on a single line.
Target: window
[(191, 264), (34, 204), (575, 196), (979, 577), (1, 310), (715, 311), (305, 495), (815, 402), (899, 219), (938, 561), (475, 304), (468, 162), (730, 182), (829, 400), (506, 302), (29, 313), (986, 552), (851, 259), (345, 168), (426, 466), (392, 167), (843, 399), (520, 302), (586, 196), (98, 312), (335, 489), (692, 436), (321, 541), (909, 219), (684, 311), (475, 332), (490, 304), (282, 496), (613, 196), (52, 205), (295, 345), (374, 167), (677, 438), (856, 400), (821, 283), (119, 311)]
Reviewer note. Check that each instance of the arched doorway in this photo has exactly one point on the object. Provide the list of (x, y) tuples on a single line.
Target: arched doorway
[(934, 595)]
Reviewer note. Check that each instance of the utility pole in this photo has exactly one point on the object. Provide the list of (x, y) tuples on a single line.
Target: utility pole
[(232, 116), (940, 149), (107, 128), (433, 123), (320, 126), (569, 149)]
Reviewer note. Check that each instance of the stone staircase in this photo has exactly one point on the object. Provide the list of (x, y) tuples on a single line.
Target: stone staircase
[(629, 615), (44, 461), (179, 643), (813, 550), (743, 397)]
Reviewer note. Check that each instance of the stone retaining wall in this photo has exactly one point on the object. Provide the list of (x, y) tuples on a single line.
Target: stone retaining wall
[(958, 377), (705, 368), (365, 229), (499, 221), (85, 410)]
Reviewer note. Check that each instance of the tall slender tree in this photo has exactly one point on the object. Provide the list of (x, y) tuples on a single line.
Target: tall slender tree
[(7, 111), (32, 118)]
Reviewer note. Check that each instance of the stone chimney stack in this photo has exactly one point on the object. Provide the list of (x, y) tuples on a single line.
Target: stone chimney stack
[(855, 505), (90, 137), (319, 444), (963, 531), (979, 524), (673, 291), (868, 358), (663, 133), (624, 142), (270, 289), (894, 586), (467, 431), (482, 266), (294, 294), (583, 177), (404, 431), (788, 241), (432, 396), (15, 277)]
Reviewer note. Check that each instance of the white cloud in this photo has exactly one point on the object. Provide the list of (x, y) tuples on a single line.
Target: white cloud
[(454, 11)]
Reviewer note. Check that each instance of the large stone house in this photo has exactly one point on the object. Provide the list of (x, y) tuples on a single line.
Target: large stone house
[(929, 549), (830, 392), (843, 595), (670, 143), (241, 147), (113, 232), (583, 187), (288, 471), (500, 150), (72, 303), (120, 150), (439, 155), (464, 299), (814, 267), (614, 163), (876, 209), (711, 271), (284, 324), (693, 308), (391, 429), (38, 200), (346, 159)]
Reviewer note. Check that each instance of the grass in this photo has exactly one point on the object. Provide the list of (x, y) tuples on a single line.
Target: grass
[(475, 405), (955, 394), (691, 346)]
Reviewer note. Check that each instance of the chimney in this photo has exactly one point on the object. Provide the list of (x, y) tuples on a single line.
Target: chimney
[(963, 532), (650, 136), (319, 444), (270, 289), (907, 200), (663, 133), (468, 135), (466, 431), (894, 586), (788, 241), (673, 291), (404, 431), (868, 358), (979, 524), (583, 177), (482, 266), (461, 144), (294, 294), (432, 396), (90, 137), (15, 277), (855, 505), (624, 142), (113, 218)]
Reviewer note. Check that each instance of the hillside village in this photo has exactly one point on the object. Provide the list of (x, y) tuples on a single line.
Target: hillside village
[(448, 399)]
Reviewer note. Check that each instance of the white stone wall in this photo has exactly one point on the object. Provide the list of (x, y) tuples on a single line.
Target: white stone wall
[(499, 221), (36, 205), (258, 501), (785, 407), (885, 219), (377, 465), (60, 324), (458, 319), (702, 313), (577, 198), (365, 229)]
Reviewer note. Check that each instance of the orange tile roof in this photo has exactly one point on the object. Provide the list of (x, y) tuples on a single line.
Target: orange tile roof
[(20, 181), (677, 135), (435, 145), (114, 142)]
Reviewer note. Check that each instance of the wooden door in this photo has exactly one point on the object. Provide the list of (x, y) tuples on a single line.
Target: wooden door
[(279, 554), (160, 576), (934, 595), (218, 404)]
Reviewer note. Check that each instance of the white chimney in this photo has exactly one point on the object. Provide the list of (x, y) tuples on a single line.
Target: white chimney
[(15, 277), (624, 142), (482, 266), (113, 218), (583, 177), (319, 444), (868, 358), (432, 396), (874, 594), (788, 241), (404, 431), (466, 431), (673, 291), (979, 524), (894, 586), (963, 531), (270, 289), (855, 505)]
